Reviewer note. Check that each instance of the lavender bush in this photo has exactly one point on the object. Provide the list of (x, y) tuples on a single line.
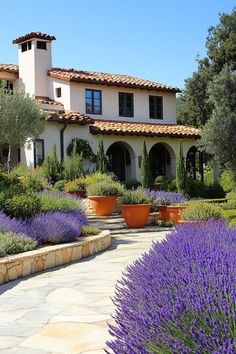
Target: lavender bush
[(14, 225), (180, 297), (166, 198), (56, 227)]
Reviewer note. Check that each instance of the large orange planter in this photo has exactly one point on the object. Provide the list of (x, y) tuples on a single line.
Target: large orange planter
[(163, 213), (80, 194), (103, 205), (174, 212), (135, 215)]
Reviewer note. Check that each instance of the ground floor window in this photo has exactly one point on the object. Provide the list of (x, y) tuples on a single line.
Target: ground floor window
[(38, 152)]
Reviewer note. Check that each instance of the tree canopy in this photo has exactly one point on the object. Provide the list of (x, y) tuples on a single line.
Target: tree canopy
[(20, 119), (194, 106)]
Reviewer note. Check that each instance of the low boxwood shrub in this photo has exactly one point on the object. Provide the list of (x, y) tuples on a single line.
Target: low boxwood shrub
[(138, 196), (58, 202), (105, 189), (132, 184), (202, 211), (89, 230), (56, 227), (180, 297), (59, 185), (22, 205), (11, 243)]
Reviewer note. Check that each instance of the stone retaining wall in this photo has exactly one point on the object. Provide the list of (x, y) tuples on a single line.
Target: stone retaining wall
[(19, 265)]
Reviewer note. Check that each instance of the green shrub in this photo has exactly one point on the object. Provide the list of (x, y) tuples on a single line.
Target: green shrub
[(90, 230), (33, 183), (180, 171), (215, 191), (73, 167), (105, 189), (138, 196), (202, 211), (132, 184), (195, 188), (52, 167), (22, 205), (160, 179), (59, 185), (77, 184), (82, 146), (59, 202), (162, 223), (227, 181), (12, 244), (98, 177), (229, 216), (145, 167), (169, 185)]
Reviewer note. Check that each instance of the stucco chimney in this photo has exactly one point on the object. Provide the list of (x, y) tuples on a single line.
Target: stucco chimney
[(35, 59)]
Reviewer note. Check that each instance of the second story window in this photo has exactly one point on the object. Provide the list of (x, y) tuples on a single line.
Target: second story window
[(42, 45), (126, 104), (93, 99), (58, 92), (156, 107), (26, 46)]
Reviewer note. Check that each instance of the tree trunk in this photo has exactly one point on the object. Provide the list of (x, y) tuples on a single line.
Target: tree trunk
[(9, 160)]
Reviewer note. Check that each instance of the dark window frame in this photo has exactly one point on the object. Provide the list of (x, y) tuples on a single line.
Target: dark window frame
[(26, 46), (124, 96), (157, 113), (58, 91), (42, 45), (92, 98), (43, 151)]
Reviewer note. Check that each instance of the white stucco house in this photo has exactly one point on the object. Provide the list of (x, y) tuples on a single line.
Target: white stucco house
[(124, 110)]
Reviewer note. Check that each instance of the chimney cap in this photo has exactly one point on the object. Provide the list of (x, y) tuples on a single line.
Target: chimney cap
[(31, 35)]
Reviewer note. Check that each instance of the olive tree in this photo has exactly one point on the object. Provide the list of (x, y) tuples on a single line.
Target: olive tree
[(20, 119)]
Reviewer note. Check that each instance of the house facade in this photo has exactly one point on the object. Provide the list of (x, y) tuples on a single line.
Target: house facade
[(123, 110)]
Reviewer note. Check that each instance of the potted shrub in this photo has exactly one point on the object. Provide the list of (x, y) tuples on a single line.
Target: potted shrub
[(76, 187), (103, 197), (201, 212), (168, 204), (136, 208), (157, 183)]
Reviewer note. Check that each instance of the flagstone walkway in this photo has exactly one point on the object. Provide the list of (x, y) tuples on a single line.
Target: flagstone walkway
[(67, 310)]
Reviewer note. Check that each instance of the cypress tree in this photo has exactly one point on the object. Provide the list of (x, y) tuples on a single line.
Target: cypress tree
[(145, 167), (180, 171), (101, 158)]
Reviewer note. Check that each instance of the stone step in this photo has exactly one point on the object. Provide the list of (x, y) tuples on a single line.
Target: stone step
[(146, 229)]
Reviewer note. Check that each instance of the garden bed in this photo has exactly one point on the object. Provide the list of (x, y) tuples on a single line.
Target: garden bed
[(16, 266)]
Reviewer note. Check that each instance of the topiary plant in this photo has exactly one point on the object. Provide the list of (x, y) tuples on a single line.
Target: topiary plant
[(180, 171), (180, 297), (145, 167)]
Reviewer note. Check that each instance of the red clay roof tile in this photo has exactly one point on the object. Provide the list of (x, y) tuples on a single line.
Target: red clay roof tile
[(32, 35), (143, 129)]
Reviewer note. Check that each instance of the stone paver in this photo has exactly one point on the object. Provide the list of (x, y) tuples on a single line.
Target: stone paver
[(67, 310)]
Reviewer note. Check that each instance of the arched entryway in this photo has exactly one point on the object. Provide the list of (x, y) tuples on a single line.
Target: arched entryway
[(120, 160), (160, 157)]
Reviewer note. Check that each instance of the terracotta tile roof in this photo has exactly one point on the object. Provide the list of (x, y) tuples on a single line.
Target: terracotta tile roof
[(144, 129), (9, 68), (71, 118), (109, 80), (47, 100), (32, 35)]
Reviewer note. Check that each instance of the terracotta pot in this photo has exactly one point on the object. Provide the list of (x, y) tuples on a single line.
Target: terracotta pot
[(135, 215), (163, 213), (80, 194), (103, 205), (156, 186), (174, 212)]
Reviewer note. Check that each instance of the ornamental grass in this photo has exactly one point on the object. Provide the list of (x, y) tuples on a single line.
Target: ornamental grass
[(180, 297)]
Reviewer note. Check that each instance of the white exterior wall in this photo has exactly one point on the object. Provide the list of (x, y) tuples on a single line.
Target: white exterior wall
[(132, 143), (65, 98), (110, 103)]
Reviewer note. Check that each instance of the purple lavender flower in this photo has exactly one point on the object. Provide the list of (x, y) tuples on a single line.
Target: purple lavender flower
[(167, 198), (180, 297), (17, 226), (56, 227)]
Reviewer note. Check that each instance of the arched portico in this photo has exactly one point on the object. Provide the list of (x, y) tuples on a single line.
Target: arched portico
[(162, 160), (121, 160)]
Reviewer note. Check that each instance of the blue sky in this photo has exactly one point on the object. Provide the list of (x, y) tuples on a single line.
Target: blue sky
[(152, 39)]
